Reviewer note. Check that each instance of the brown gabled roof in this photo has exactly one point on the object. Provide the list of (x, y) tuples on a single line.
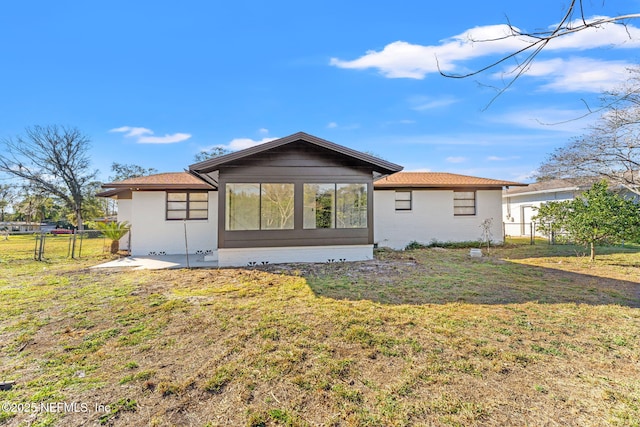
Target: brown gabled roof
[(439, 180), (380, 165), (160, 181)]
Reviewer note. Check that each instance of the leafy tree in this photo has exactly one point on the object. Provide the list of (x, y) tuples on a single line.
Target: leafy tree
[(6, 199), (53, 159), (114, 231), (36, 205), (552, 217), (124, 171), (210, 154), (93, 207), (599, 216)]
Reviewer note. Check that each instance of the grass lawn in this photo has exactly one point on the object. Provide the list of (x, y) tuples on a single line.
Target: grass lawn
[(25, 246), (529, 335)]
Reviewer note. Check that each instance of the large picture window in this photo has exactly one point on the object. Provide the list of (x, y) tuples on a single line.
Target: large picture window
[(187, 205), (259, 207), (276, 206), (335, 206), (464, 203), (319, 206)]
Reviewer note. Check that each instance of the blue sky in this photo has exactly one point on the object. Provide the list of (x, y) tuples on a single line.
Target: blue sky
[(153, 83)]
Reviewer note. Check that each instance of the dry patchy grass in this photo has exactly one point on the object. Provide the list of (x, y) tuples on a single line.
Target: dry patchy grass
[(18, 248), (527, 336)]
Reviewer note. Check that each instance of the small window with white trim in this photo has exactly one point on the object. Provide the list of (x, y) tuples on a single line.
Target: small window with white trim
[(403, 200)]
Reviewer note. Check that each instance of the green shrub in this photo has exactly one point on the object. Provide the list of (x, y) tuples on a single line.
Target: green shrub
[(437, 244)]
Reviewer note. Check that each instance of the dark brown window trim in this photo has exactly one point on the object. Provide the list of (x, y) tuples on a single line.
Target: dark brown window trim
[(475, 202), (188, 210), (410, 200), (335, 210), (260, 225)]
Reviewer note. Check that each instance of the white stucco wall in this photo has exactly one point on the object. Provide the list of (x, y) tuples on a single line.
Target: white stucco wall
[(151, 232), (431, 218), (124, 214), (519, 209), (241, 257)]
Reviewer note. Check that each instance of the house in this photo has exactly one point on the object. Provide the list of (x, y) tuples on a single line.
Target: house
[(519, 204), (21, 226), (431, 206), (298, 199)]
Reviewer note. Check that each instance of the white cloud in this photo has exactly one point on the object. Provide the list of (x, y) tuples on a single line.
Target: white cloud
[(167, 139), (263, 131), (502, 159), (424, 103), (144, 135), (604, 35), (242, 143), (458, 159), (580, 74), (548, 119), (132, 131), (401, 59), (399, 122), (334, 125)]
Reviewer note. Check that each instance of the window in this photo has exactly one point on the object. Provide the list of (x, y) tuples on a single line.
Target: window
[(319, 206), (351, 205), (464, 203), (187, 205), (259, 207), (276, 207), (243, 207), (335, 206), (403, 200)]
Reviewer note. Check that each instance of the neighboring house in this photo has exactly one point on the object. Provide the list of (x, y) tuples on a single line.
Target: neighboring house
[(429, 206), (299, 199), (20, 226), (519, 205)]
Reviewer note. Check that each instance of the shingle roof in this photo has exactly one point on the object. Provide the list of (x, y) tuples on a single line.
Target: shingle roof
[(439, 180), (170, 180)]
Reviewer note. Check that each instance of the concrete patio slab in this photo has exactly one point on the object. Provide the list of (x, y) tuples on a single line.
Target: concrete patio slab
[(159, 262)]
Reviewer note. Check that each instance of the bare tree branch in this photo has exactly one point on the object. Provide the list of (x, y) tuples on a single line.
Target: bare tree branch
[(53, 159), (611, 149), (537, 41)]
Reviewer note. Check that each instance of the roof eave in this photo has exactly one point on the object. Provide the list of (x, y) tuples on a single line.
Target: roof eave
[(546, 191), (202, 186), (111, 193), (446, 186)]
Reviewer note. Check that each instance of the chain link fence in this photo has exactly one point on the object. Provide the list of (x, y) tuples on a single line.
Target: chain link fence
[(528, 233), (43, 246)]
